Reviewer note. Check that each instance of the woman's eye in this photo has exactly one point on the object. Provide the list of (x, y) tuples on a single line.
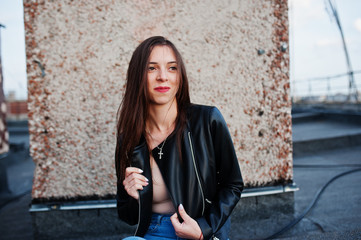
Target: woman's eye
[(151, 68), (173, 68)]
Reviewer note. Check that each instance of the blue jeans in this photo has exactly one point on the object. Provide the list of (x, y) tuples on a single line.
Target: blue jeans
[(160, 228)]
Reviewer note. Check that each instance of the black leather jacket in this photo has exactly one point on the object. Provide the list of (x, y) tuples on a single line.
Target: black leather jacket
[(206, 180)]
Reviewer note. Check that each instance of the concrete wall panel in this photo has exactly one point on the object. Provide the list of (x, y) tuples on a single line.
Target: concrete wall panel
[(77, 57)]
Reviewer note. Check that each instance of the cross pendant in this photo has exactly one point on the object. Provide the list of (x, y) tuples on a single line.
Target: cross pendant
[(160, 154)]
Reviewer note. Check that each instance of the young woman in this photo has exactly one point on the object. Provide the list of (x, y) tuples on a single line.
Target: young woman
[(177, 171)]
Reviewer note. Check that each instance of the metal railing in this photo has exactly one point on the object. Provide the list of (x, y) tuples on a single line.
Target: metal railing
[(329, 88)]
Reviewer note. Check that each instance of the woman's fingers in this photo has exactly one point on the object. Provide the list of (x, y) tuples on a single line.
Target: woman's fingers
[(135, 178), (175, 221), (130, 170), (184, 214), (189, 228), (135, 185), (134, 181), (132, 173)]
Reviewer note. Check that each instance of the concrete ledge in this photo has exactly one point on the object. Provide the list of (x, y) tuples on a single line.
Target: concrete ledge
[(111, 203), (262, 191), (316, 145), (305, 117), (79, 205), (99, 220), (303, 114)]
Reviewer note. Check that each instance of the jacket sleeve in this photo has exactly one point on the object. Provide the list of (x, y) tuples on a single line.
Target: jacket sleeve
[(229, 178), (128, 207)]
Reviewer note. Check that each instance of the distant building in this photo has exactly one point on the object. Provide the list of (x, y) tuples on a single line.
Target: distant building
[(16, 109), (4, 134)]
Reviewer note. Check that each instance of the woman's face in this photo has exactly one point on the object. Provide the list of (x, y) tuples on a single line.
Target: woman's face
[(163, 80)]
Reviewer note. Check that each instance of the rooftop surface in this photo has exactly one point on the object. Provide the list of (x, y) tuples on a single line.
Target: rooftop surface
[(335, 215)]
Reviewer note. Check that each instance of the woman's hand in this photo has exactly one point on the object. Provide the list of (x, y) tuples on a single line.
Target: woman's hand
[(189, 228), (134, 181)]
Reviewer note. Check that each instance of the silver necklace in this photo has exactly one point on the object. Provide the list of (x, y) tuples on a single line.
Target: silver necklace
[(161, 148), (160, 153)]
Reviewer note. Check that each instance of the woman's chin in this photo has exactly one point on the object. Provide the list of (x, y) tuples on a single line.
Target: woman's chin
[(162, 102)]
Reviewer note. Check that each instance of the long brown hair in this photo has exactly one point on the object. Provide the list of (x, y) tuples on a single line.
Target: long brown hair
[(133, 111)]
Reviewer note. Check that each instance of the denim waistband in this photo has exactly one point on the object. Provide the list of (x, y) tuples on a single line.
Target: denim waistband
[(158, 218)]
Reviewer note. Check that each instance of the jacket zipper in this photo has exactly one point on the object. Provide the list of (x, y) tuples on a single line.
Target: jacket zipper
[(196, 170)]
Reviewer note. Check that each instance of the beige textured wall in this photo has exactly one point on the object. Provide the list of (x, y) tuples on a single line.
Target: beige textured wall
[(84, 48)]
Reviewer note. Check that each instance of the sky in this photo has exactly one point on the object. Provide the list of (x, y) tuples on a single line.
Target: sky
[(315, 46), (13, 48)]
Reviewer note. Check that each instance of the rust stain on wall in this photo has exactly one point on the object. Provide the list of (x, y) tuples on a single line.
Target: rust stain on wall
[(77, 55)]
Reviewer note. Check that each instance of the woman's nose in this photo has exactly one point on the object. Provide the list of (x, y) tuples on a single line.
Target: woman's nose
[(162, 75)]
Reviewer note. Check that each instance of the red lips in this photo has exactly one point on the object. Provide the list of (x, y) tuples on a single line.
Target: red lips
[(162, 89)]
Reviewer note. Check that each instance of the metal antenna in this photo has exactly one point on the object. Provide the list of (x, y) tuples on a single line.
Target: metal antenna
[(351, 82)]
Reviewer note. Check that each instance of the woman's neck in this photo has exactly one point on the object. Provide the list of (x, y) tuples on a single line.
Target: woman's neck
[(162, 118)]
